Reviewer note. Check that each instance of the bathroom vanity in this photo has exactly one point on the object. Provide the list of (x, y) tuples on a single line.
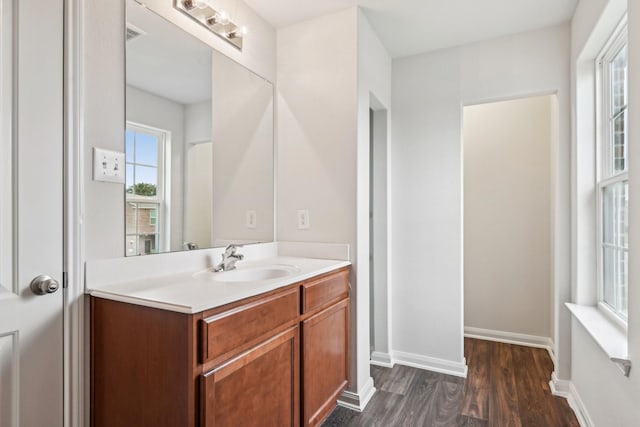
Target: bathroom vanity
[(274, 357)]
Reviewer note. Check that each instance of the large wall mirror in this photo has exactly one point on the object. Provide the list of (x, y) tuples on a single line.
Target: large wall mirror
[(199, 143)]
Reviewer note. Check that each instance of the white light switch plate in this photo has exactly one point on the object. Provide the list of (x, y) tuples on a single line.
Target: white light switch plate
[(303, 220), (108, 166)]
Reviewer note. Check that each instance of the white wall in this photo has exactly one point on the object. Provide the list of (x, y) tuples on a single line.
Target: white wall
[(610, 399), (102, 91), (606, 396), (316, 143), (197, 122), (634, 207), (242, 106), (507, 213), (198, 195), (326, 80), (151, 110), (429, 91), (198, 177)]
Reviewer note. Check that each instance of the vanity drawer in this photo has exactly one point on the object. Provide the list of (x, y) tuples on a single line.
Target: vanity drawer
[(235, 330), (325, 289)]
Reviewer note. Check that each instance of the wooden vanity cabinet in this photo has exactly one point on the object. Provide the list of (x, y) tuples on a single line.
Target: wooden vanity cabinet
[(142, 366), (277, 359), (257, 389), (325, 344), (251, 363)]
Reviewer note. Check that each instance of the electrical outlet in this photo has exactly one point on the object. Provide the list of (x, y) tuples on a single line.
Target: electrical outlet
[(108, 166), (303, 220), (252, 219)]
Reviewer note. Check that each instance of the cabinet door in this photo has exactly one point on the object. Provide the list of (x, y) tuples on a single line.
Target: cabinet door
[(325, 364), (259, 388)]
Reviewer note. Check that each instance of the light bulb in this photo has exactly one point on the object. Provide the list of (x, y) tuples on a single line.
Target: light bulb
[(223, 17), (201, 4)]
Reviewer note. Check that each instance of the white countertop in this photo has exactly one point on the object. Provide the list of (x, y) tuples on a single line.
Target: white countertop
[(197, 291)]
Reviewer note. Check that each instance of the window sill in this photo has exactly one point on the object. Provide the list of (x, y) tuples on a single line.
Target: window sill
[(611, 339)]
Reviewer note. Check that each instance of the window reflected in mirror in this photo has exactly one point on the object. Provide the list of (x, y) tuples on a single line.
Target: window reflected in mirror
[(146, 208)]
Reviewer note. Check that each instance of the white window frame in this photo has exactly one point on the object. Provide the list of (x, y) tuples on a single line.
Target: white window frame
[(163, 221), (604, 161)]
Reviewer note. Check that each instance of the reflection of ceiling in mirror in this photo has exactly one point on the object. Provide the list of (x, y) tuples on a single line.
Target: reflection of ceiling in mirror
[(166, 61)]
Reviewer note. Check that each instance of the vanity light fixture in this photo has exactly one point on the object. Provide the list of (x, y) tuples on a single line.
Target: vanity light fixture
[(217, 21)]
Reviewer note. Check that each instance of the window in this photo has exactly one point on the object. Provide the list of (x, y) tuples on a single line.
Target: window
[(145, 195), (613, 177)]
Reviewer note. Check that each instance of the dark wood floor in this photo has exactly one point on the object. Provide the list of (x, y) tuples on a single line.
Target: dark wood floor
[(507, 386)]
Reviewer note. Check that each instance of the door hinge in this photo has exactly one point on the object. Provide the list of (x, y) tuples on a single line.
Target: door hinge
[(65, 282)]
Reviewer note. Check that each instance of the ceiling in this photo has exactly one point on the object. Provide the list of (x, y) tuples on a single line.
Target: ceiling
[(408, 27)]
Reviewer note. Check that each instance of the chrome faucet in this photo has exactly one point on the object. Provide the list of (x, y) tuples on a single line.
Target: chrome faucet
[(191, 246), (229, 258)]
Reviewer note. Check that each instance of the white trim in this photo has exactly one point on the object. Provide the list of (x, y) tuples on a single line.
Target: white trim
[(560, 388), (576, 403), (381, 359), (458, 369), (76, 376), (512, 338), (358, 401), (566, 389), (611, 339), (8, 147), (613, 316), (604, 149)]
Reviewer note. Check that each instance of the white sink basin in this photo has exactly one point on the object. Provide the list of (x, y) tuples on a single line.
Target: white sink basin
[(249, 274)]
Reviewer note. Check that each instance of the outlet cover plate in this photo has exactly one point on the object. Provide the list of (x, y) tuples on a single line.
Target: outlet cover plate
[(303, 219), (252, 219)]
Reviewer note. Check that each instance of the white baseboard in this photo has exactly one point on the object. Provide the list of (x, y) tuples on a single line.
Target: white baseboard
[(358, 401), (578, 407), (559, 387), (430, 363), (566, 389), (511, 338), (381, 359)]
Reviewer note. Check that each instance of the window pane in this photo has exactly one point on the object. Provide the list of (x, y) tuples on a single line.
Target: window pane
[(146, 181), (146, 149), (608, 281), (619, 127), (619, 81), (622, 294), (615, 267), (142, 234), (615, 214), (147, 216)]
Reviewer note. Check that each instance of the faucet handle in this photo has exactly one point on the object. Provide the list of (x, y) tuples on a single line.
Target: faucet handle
[(231, 250)]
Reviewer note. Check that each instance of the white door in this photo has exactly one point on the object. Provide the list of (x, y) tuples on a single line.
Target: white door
[(31, 217)]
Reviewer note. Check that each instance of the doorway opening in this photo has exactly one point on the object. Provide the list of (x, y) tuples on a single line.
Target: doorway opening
[(379, 310), (509, 179)]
